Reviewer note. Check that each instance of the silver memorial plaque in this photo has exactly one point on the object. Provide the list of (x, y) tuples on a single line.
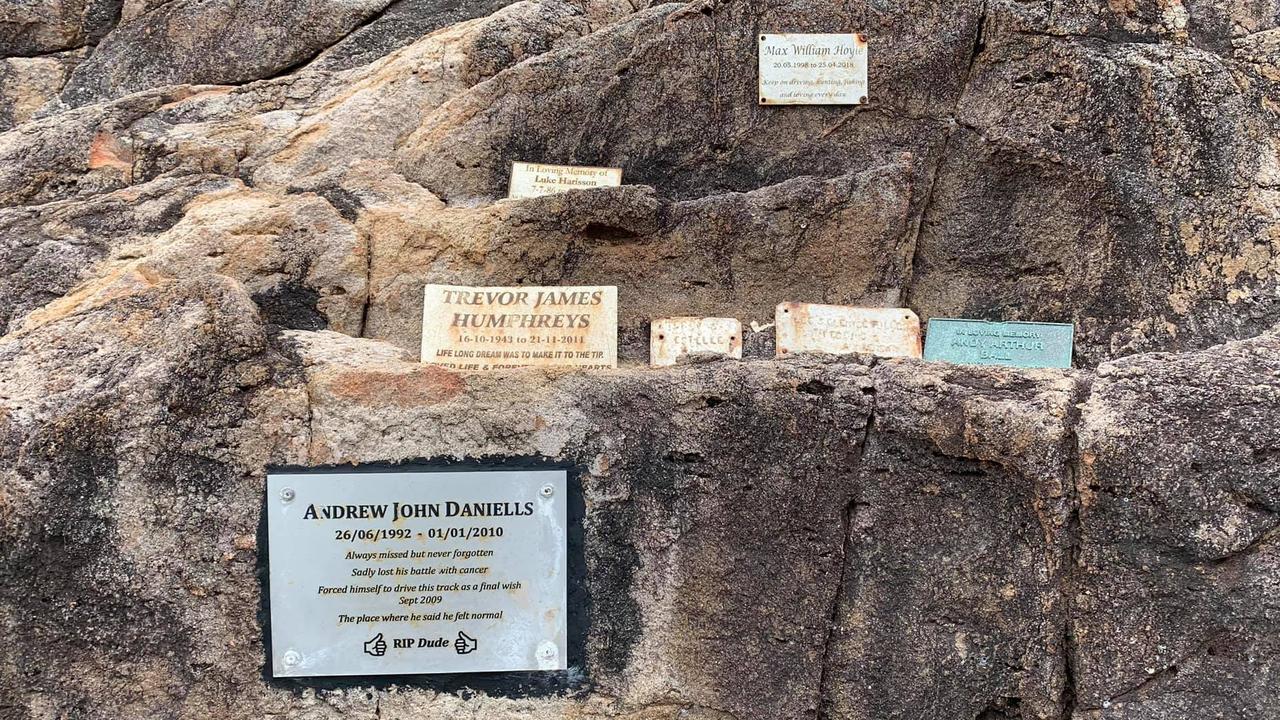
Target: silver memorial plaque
[(388, 573)]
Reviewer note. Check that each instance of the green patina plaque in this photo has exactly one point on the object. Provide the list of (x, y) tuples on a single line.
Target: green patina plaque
[(1017, 344)]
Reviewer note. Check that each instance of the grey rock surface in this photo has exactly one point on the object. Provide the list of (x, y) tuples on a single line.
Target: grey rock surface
[(1113, 168), (40, 27), (226, 42), (50, 248), (1180, 508), (1137, 221), (29, 84), (216, 219), (959, 547), (399, 24)]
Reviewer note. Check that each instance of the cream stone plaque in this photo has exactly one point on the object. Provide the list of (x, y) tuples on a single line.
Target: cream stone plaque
[(530, 180), (685, 338), (826, 69), (840, 330), (499, 328)]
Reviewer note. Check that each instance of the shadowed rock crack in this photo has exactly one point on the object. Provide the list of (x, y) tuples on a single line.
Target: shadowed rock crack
[(846, 527), (368, 282), (1067, 587), (976, 49), (1156, 677)]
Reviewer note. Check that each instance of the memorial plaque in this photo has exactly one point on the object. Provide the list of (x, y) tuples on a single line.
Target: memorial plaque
[(1018, 344), (499, 328), (840, 330), (827, 69), (394, 573), (681, 338), (529, 180)]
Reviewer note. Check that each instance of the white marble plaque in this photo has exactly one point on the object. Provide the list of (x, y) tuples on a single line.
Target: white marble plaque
[(824, 69), (677, 339), (529, 180), (840, 330), (391, 573), (500, 328)]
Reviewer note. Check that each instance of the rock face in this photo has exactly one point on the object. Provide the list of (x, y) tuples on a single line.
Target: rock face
[(28, 84), (40, 27), (959, 548), (228, 42), (216, 219), (1115, 168), (1183, 548)]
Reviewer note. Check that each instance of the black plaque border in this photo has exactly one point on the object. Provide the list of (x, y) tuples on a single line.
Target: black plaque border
[(523, 684)]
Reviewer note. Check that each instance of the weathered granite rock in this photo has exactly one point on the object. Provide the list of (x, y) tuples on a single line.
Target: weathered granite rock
[(772, 243), (28, 84), (1139, 221), (368, 113), (196, 283), (51, 248), (1033, 192), (670, 96), (959, 548), (40, 27), (224, 42), (712, 561), (400, 24), (79, 153), (302, 263), (756, 545), (708, 562), (1176, 608), (128, 456)]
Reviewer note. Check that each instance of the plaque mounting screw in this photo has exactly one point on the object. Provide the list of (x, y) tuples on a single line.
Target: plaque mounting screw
[(547, 491), (291, 658), (288, 495)]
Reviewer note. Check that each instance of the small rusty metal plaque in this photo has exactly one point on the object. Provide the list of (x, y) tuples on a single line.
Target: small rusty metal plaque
[(500, 328), (391, 573), (841, 330), (1017, 344), (679, 339), (529, 180), (823, 69)]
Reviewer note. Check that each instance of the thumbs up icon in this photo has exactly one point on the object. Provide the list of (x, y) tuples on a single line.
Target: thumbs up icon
[(376, 647), (464, 644)]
